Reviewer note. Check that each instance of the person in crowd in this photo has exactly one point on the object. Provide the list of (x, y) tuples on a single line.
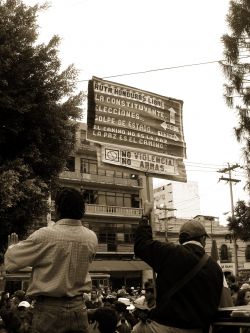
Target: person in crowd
[(94, 302), (149, 295), (60, 256), (104, 320), (109, 300), (245, 286), (7, 313), (144, 304), (126, 319), (234, 288), (24, 317), (19, 296), (4, 299), (231, 279), (243, 297), (15, 318), (122, 292), (147, 299), (195, 304)]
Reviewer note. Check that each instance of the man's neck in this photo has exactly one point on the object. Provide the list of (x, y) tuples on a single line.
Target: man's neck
[(193, 242)]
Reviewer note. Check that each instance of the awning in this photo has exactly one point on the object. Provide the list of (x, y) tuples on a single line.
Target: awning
[(118, 265)]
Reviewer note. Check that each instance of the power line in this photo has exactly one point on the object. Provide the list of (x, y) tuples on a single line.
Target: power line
[(162, 69), (156, 70), (189, 170), (200, 163)]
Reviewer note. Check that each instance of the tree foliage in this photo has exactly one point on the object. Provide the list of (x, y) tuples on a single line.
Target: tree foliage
[(38, 106), (237, 70), (240, 222)]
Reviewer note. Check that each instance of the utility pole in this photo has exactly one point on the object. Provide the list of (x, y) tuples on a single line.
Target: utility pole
[(166, 218), (231, 180)]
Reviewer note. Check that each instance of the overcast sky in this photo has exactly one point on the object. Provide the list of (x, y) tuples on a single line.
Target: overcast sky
[(107, 38)]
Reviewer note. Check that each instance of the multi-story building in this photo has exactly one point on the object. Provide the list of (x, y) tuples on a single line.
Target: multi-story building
[(114, 198), (177, 199)]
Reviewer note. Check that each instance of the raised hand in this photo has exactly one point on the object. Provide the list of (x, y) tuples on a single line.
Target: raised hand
[(12, 239), (148, 207)]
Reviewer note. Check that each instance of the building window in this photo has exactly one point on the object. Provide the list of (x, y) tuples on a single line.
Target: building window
[(120, 237), (135, 201), (115, 199), (88, 166), (247, 253), (129, 238), (90, 196), (108, 238), (83, 138), (224, 253), (70, 164)]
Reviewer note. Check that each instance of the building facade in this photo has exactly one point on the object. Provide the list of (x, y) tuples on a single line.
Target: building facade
[(177, 199)]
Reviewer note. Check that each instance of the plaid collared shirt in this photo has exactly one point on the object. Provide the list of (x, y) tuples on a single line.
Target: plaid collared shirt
[(59, 256)]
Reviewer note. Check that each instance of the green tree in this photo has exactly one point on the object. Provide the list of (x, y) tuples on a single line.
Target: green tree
[(239, 224), (237, 71), (39, 109)]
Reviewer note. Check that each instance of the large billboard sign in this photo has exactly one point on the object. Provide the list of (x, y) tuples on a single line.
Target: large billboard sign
[(137, 121)]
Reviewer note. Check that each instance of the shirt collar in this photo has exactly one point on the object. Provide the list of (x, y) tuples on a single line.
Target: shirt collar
[(193, 242), (70, 222)]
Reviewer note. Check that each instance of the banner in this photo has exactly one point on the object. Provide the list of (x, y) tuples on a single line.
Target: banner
[(155, 164), (120, 115)]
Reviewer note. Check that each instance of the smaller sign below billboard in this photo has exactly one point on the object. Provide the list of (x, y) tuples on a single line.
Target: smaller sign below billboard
[(157, 165)]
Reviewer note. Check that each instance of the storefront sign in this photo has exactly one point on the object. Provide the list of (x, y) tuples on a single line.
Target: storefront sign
[(228, 267)]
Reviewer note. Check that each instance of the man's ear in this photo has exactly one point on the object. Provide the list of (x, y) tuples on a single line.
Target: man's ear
[(204, 238), (57, 213)]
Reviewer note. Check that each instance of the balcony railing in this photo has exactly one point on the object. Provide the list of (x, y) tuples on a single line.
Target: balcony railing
[(100, 179), (113, 210), (91, 209), (124, 248)]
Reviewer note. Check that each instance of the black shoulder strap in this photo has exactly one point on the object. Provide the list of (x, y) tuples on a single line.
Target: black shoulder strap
[(188, 276)]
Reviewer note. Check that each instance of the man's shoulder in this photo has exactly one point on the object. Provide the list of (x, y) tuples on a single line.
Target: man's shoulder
[(89, 231), (41, 233)]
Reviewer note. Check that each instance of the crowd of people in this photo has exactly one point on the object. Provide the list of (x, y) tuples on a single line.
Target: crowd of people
[(240, 292), (117, 311), (108, 311), (187, 291)]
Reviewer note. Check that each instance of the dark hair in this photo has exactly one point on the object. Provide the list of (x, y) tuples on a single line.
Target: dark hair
[(107, 319), (184, 237), (69, 203), (234, 287), (231, 278), (241, 297), (149, 286), (119, 307)]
